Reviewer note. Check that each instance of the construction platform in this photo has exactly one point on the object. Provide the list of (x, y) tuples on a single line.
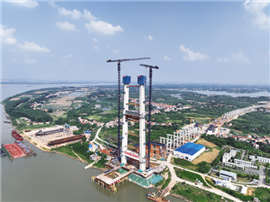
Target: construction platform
[(17, 150), (117, 174)]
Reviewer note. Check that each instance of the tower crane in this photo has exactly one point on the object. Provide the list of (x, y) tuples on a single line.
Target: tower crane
[(118, 69), (150, 95)]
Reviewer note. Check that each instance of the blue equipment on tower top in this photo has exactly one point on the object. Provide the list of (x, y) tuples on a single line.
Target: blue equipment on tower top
[(141, 80), (126, 79)]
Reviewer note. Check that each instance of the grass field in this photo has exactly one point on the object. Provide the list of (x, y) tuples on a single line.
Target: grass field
[(206, 143), (186, 175), (209, 157), (196, 194)]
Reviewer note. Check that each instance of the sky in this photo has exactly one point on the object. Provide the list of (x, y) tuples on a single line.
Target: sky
[(191, 42)]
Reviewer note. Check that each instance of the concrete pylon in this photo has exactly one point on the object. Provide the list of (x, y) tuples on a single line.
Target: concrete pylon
[(126, 82), (141, 82)]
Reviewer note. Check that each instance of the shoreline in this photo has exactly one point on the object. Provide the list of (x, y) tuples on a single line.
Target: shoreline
[(28, 139)]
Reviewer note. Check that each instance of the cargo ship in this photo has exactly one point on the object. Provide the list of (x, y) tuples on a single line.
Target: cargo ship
[(16, 135)]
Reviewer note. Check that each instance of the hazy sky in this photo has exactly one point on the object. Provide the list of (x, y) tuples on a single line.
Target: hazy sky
[(195, 42)]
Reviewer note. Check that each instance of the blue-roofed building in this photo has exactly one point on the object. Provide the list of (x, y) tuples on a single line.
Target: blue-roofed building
[(189, 151)]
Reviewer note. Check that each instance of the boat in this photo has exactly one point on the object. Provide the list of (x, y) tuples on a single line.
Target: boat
[(3, 154), (16, 135), (6, 121)]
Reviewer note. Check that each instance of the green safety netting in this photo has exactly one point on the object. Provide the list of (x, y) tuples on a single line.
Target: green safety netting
[(156, 179), (140, 180), (122, 171)]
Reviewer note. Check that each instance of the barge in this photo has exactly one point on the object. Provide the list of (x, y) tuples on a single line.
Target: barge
[(16, 135)]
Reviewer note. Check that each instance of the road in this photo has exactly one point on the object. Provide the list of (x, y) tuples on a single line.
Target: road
[(262, 174), (176, 179)]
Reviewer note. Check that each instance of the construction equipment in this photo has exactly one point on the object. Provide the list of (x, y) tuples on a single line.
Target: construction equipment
[(149, 117), (118, 69)]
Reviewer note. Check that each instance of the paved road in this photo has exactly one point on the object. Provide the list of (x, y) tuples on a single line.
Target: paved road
[(243, 154), (96, 137), (262, 174), (177, 179)]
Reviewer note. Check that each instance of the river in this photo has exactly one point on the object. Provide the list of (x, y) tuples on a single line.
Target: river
[(257, 94), (50, 176)]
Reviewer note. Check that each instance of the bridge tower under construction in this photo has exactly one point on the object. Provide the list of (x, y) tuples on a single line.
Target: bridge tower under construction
[(136, 116)]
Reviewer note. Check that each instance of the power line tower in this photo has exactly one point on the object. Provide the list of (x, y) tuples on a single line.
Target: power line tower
[(149, 116), (118, 69)]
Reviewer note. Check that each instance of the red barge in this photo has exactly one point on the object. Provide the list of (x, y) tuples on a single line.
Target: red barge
[(16, 135)]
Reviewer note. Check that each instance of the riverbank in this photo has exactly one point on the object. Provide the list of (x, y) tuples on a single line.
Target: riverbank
[(5, 112), (180, 197)]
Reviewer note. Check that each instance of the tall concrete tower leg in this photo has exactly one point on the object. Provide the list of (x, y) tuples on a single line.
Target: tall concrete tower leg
[(141, 82), (126, 81)]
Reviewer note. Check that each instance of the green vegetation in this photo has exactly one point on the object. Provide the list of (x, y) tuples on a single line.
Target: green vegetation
[(218, 158), (202, 167), (79, 148), (186, 175), (254, 122), (263, 194), (196, 194), (160, 182), (167, 181), (264, 149)]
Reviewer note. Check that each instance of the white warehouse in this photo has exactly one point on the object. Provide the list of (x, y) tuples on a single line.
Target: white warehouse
[(189, 151)]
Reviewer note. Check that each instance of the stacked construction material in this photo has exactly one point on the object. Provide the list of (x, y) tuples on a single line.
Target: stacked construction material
[(64, 140), (40, 133)]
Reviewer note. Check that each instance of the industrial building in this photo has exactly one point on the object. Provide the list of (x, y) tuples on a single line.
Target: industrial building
[(189, 151), (228, 175), (259, 158)]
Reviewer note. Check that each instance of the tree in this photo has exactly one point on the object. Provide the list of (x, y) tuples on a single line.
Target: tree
[(50, 110)]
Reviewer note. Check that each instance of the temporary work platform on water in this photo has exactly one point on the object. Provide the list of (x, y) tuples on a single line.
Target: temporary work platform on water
[(17, 150)]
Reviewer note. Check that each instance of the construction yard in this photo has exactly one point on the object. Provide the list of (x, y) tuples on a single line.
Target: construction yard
[(42, 141)]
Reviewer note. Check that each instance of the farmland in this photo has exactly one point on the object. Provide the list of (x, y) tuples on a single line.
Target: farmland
[(208, 156)]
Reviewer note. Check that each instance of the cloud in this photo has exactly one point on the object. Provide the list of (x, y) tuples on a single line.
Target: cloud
[(24, 3), (30, 46), (7, 35), (52, 4), (102, 27), (150, 37), (95, 40), (75, 14), (223, 59), (192, 56), (166, 58), (29, 61), (95, 47), (115, 51), (88, 15), (66, 26), (69, 56), (239, 57), (256, 10)]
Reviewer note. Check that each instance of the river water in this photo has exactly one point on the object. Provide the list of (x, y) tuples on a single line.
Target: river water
[(257, 94), (50, 176)]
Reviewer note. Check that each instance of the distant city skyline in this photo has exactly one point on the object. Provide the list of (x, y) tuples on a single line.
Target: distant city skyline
[(191, 42)]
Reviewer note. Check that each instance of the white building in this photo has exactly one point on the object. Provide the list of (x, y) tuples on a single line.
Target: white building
[(189, 151)]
